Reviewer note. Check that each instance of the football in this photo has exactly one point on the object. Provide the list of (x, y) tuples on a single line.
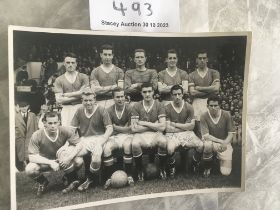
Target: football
[(118, 179), (151, 171), (63, 152)]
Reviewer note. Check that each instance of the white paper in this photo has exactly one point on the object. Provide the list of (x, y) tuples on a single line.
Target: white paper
[(136, 16)]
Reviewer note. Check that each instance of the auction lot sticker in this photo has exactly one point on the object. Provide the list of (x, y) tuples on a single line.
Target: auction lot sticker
[(135, 16)]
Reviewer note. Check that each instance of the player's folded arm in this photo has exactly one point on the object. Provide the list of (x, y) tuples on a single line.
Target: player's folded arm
[(195, 92), (188, 126), (164, 88), (63, 99), (139, 128), (171, 129), (159, 125), (122, 129)]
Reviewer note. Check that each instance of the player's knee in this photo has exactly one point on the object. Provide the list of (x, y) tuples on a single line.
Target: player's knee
[(108, 150), (95, 166), (127, 147), (96, 159), (32, 169), (225, 171), (208, 147), (170, 148), (135, 145), (136, 148), (78, 162), (162, 142)]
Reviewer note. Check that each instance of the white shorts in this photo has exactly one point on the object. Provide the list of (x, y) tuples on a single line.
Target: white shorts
[(148, 139), (67, 114), (199, 107), (118, 140), (223, 155), (91, 144), (184, 139)]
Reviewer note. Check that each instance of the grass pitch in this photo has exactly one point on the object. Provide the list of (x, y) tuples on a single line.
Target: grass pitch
[(26, 190)]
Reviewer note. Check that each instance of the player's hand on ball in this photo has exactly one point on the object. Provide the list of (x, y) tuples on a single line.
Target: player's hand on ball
[(54, 165), (65, 162)]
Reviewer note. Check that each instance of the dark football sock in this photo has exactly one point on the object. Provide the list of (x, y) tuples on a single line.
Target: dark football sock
[(208, 162), (119, 163), (196, 157), (72, 176), (162, 161), (109, 166), (138, 163), (87, 160), (171, 161), (151, 158), (127, 159)]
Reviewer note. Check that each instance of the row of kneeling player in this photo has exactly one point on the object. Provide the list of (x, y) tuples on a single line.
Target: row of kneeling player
[(147, 124)]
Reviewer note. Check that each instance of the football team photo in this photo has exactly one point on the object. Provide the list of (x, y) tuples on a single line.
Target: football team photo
[(103, 117)]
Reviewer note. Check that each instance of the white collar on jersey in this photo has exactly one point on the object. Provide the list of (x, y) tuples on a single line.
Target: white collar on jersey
[(202, 75), (119, 117), (218, 118), (71, 78), (106, 69), (178, 110), (171, 74), (52, 140), (90, 115), (148, 109)]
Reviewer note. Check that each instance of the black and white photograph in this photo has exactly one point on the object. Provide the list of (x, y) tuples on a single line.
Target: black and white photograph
[(105, 117)]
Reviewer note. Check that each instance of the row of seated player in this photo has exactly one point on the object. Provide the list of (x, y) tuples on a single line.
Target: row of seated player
[(132, 129)]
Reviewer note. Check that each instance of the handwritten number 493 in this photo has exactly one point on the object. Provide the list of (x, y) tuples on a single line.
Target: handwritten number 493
[(135, 6)]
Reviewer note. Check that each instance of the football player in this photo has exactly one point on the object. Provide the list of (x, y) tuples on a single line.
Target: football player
[(180, 123), (171, 76), (45, 148), (134, 78), (203, 82), (120, 114), (147, 124), (106, 77), (217, 130), (69, 87), (95, 127)]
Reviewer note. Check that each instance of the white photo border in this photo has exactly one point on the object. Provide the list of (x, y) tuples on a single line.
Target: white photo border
[(11, 30)]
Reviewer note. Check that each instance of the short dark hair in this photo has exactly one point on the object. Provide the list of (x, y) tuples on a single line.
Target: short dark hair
[(70, 54), (116, 90), (140, 50), (173, 51), (201, 51), (50, 114), (176, 87), (106, 47), (214, 98), (146, 85)]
